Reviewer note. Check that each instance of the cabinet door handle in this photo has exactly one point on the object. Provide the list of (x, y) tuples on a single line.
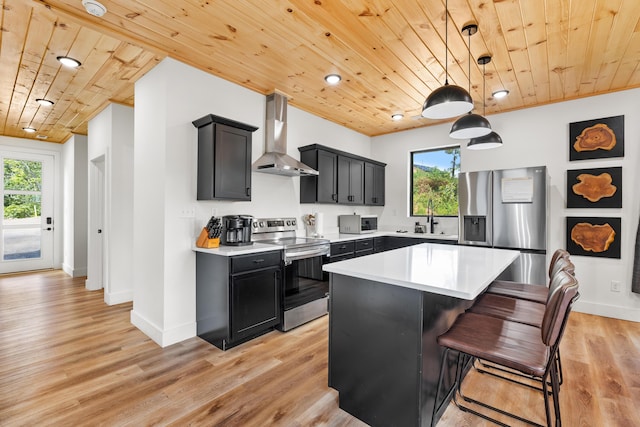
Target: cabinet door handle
[(258, 261), (334, 197), (249, 191)]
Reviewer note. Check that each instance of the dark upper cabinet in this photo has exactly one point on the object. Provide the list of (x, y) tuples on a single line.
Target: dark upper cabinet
[(373, 184), (324, 187), (342, 177), (224, 158), (350, 181)]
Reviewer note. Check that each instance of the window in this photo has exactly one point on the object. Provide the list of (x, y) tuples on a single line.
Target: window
[(434, 178)]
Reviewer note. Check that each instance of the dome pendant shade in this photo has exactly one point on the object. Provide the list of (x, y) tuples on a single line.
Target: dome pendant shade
[(447, 101), (470, 126), (492, 140)]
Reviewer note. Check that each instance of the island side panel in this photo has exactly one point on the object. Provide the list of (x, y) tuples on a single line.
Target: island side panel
[(384, 359), (439, 313), (375, 350)]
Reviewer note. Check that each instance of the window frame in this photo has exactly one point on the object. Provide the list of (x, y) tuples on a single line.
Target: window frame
[(411, 159)]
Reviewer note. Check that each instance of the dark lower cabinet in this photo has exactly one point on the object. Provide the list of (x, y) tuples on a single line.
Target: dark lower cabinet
[(237, 298), (255, 302)]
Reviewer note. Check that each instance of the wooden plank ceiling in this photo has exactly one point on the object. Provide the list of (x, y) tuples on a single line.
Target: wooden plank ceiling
[(390, 54)]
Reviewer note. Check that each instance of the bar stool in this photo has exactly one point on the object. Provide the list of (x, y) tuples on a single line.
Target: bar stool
[(523, 310), (524, 348), (536, 293)]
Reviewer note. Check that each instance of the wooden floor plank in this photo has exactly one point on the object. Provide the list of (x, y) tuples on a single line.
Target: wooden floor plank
[(66, 358)]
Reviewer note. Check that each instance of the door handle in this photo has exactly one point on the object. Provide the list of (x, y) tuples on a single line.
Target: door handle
[(48, 228), (99, 230)]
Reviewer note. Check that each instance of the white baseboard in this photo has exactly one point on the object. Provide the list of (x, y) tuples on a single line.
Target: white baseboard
[(92, 285), (613, 311), (113, 298), (74, 272), (163, 338)]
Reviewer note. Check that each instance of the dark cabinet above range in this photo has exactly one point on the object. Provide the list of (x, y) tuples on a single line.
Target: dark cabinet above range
[(343, 177), (224, 158)]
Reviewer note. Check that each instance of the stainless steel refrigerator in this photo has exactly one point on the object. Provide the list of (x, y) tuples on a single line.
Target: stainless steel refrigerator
[(509, 209)]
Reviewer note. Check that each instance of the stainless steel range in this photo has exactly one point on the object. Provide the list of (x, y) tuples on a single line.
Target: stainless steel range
[(306, 289)]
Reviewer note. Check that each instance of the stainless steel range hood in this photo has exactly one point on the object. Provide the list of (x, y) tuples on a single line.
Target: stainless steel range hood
[(275, 159)]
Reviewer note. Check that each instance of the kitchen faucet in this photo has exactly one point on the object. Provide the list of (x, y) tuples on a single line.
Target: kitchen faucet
[(432, 223)]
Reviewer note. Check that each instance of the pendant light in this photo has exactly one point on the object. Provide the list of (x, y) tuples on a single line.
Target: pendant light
[(492, 140), (449, 100), (470, 125)]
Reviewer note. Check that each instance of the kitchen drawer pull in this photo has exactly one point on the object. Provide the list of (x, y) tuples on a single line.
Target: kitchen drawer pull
[(258, 261)]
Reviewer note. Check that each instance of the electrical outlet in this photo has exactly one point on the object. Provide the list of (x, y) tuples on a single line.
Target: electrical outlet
[(189, 212), (615, 286)]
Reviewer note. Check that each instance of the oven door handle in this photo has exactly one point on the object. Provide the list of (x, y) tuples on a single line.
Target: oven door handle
[(289, 257)]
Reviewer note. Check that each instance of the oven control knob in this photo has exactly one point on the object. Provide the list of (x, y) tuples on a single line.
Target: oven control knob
[(255, 225), (293, 222), (261, 224), (288, 222)]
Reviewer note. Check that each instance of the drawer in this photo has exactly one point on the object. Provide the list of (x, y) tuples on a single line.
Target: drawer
[(341, 248), (242, 263), (342, 257), (364, 245), (364, 252)]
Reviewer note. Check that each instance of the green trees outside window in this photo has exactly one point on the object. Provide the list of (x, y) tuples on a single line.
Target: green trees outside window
[(435, 177), (22, 186)]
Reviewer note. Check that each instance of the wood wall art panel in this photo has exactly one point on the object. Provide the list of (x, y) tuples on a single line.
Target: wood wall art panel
[(596, 139), (594, 188), (594, 236)]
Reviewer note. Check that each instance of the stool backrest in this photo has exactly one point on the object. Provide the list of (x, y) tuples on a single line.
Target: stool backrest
[(558, 307), (558, 254)]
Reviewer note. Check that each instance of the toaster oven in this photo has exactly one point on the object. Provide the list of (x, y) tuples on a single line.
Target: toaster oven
[(357, 224)]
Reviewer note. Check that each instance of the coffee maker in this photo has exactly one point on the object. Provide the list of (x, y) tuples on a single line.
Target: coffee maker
[(236, 230)]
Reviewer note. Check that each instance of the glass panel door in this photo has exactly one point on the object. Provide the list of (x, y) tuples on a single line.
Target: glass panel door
[(27, 222)]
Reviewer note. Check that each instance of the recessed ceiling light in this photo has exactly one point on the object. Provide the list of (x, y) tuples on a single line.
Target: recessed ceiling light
[(68, 62), (332, 79), (500, 93), (94, 8), (29, 129), (397, 116), (44, 102)]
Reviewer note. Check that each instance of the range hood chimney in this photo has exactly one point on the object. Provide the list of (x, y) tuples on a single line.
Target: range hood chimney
[(275, 159)]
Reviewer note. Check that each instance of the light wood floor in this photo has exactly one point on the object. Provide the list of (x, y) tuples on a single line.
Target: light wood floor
[(67, 359)]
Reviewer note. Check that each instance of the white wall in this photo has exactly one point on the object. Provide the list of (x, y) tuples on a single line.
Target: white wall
[(111, 136), (168, 99), (540, 136), (74, 186)]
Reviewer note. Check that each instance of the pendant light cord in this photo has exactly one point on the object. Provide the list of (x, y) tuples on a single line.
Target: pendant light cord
[(469, 57), (446, 42), (484, 88)]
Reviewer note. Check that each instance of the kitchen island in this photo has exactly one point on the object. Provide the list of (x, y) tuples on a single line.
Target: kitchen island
[(386, 311)]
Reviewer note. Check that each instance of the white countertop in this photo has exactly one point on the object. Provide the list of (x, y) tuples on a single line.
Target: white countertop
[(342, 237), (238, 250), (261, 247), (457, 271)]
